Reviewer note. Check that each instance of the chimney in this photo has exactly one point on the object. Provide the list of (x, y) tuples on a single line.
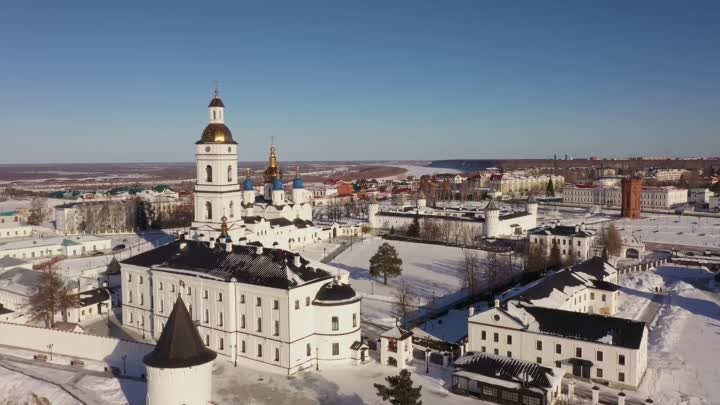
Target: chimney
[(259, 250), (228, 247), (497, 303), (621, 398), (211, 245), (595, 395), (471, 311), (296, 260)]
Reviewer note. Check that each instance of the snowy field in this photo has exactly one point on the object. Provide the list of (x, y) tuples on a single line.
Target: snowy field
[(430, 271), (680, 230), (413, 170), (684, 340)]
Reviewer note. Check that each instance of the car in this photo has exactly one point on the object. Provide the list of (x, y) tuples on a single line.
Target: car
[(690, 254), (97, 253), (119, 247)]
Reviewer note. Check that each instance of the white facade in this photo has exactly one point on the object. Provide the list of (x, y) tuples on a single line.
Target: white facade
[(699, 195), (571, 240), (650, 197), (164, 385), (508, 183), (286, 329), (15, 230), (54, 246)]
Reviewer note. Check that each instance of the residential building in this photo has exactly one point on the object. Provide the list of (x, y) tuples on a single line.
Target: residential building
[(574, 240), (650, 197), (509, 183), (78, 245)]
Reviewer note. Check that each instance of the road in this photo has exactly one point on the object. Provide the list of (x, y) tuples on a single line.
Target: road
[(651, 309)]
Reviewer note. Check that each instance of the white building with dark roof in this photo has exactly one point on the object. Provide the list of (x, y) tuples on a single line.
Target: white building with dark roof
[(571, 240), (564, 320), (262, 307)]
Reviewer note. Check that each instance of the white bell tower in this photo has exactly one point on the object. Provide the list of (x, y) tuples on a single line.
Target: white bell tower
[(217, 190)]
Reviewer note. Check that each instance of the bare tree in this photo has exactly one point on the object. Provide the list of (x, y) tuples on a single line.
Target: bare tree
[(52, 296), (612, 240), (471, 275), (404, 302), (537, 259), (39, 211)]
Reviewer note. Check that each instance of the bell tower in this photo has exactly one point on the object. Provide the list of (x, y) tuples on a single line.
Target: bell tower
[(217, 189)]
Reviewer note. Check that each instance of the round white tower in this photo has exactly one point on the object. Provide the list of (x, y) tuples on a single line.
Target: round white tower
[(298, 190), (532, 207), (179, 369), (278, 192), (373, 209), (248, 191), (492, 220), (421, 200)]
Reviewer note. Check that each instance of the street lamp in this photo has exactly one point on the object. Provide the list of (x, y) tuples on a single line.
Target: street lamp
[(50, 347), (427, 361), (124, 356), (317, 360)]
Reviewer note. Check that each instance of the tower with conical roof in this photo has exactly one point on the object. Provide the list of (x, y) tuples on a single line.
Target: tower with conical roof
[(491, 228), (217, 190), (272, 173), (179, 369)]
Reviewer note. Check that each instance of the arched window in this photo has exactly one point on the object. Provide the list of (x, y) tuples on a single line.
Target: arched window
[(230, 177), (213, 114), (208, 210), (232, 209), (208, 173)]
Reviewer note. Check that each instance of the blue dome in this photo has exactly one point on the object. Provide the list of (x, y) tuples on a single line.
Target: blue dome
[(248, 185), (277, 184), (298, 183)]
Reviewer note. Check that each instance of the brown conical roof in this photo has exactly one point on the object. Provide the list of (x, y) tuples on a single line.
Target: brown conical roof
[(180, 344)]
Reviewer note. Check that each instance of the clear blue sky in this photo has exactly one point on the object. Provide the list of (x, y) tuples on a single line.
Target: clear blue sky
[(121, 82)]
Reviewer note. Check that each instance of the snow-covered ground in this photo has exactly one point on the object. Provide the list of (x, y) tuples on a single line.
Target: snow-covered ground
[(430, 271), (413, 170), (18, 388), (673, 229)]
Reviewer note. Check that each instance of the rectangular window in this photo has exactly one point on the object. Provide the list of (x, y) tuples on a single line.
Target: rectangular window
[(557, 364), (599, 356), (277, 354), (528, 400), (219, 297), (242, 321), (621, 377), (220, 319), (308, 350), (130, 297), (276, 304), (558, 348), (483, 349), (578, 352), (160, 287), (242, 346), (297, 304), (509, 354), (621, 359), (538, 360), (142, 299), (207, 340), (129, 277), (509, 396), (335, 323), (489, 391), (276, 332), (207, 316), (162, 306), (172, 288), (509, 339), (259, 324), (496, 337), (496, 352), (599, 373), (221, 344), (538, 345), (336, 349), (141, 279), (259, 350), (604, 297), (592, 295), (242, 298), (206, 294), (189, 291), (307, 301), (258, 302), (354, 320)]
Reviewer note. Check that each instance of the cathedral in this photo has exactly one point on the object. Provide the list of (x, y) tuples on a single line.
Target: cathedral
[(229, 210)]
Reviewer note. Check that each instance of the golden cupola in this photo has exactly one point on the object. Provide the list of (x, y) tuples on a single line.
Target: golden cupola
[(272, 172), (216, 131)]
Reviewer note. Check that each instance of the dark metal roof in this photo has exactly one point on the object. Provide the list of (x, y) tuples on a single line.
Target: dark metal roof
[(7, 261), (513, 215), (273, 268), (216, 133), (561, 230), (335, 292), (590, 327), (605, 285), (506, 368), (544, 287), (4, 311), (93, 297), (180, 344), (113, 267), (595, 266), (216, 102)]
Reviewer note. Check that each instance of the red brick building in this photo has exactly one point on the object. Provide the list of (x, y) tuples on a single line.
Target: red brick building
[(631, 189)]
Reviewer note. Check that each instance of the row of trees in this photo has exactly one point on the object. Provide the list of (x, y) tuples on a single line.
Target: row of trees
[(39, 211), (129, 215), (482, 275)]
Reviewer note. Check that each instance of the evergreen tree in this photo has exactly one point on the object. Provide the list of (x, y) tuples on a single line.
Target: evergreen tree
[(52, 296), (385, 262), (400, 390), (550, 190), (413, 230)]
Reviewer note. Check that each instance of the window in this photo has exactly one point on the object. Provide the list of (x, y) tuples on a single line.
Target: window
[(172, 288), (621, 359), (142, 299), (509, 354), (141, 280), (558, 348), (276, 304), (259, 324), (496, 337), (189, 291), (592, 295), (538, 345), (528, 400), (354, 320), (207, 340), (190, 311), (621, 377), (219, 298), (208, 210), (221, 344), (604, 297), (509, 396), (509, 339), (258, 302), (483, 349), (242, 321), (599, 356), (207, 316), (162, 306), (130, 297), (578, 352), (307, 301), (160, 286), (335, 349), (259, 350), (208, 174), (308, 350), (489, 391), (277, 354), (557, 364), (220, 319), (129, 277), (229, 173), (242, 346), (483, 335), (496, 352), (206, 294), (335, 323), (276, 330), (599, 373), (297, 304), (242, 298)]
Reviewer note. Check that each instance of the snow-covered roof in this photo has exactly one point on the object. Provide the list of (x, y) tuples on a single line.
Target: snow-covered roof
[(507, 372), (396, 332)]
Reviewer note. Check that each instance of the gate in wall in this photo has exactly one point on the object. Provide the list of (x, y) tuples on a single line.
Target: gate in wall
[(436, 358), (419, 354)]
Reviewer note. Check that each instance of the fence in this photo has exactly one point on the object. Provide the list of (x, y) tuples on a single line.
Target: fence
[(643, 266)]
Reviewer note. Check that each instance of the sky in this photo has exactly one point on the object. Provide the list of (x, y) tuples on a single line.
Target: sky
[(362, 80)]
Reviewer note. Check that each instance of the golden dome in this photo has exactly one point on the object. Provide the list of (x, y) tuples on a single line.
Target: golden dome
[(273, 171), (216, 133)]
